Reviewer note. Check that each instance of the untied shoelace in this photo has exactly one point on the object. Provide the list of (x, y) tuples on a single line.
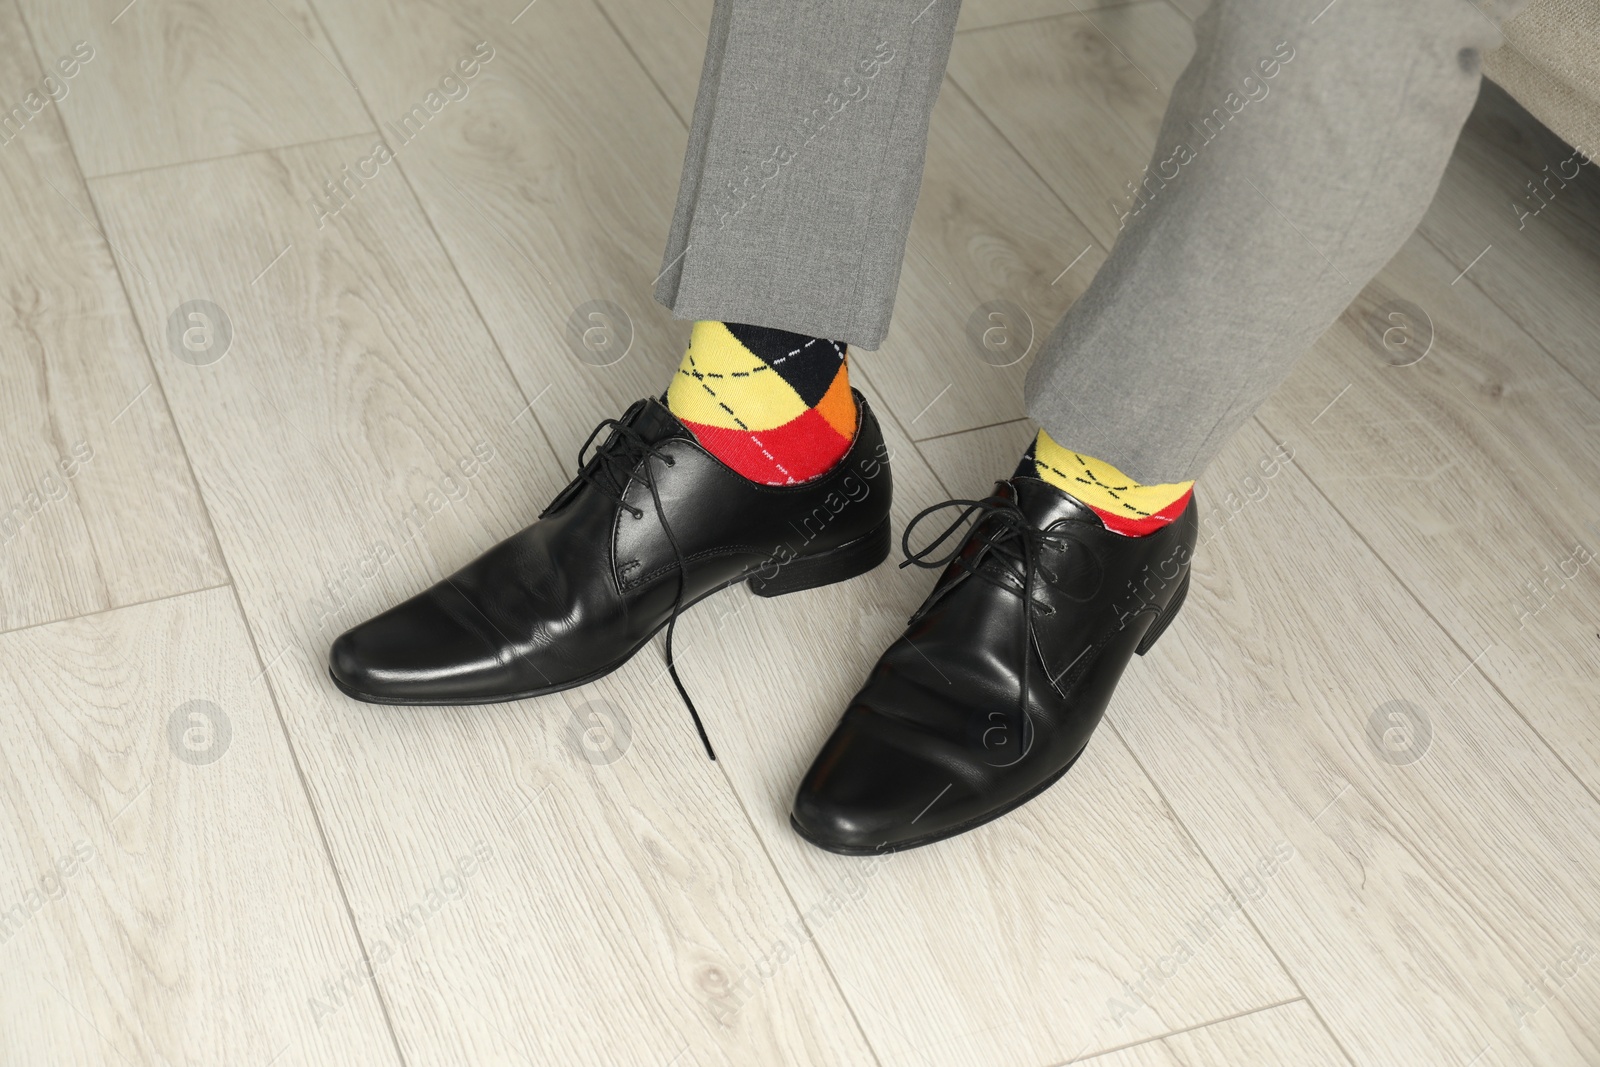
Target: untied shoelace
[(614, 466)]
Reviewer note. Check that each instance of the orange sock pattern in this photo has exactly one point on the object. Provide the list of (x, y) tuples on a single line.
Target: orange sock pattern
[(1122, 504), (773, 405)]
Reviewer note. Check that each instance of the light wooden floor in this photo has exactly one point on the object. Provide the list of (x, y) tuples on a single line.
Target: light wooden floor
[(1347, 815)]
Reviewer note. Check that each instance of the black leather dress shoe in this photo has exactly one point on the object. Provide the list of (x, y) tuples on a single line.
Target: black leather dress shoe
[(1001, 675), (651, 524)]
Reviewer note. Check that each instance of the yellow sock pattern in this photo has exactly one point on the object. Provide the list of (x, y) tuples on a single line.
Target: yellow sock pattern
[(1124, 505)]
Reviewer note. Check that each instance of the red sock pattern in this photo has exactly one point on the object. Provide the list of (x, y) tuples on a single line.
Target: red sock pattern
[(773, 405)]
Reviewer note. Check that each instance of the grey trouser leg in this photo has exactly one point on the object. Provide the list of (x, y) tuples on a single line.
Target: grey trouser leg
[(1270, 201), (804, 163)]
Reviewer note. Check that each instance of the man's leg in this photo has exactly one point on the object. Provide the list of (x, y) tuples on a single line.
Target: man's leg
[(801, 175), (798, 186), (1300, 149), (804, 163)]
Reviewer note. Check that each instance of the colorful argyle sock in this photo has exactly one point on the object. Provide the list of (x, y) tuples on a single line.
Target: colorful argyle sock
[(1125, 506), (773, 405)]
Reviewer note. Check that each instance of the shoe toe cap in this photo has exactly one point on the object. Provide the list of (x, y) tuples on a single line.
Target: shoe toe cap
[(416, 653), (870, 791)]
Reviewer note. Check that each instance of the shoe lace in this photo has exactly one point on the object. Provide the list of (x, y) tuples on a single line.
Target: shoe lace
[(615, 465), (1001, 531)]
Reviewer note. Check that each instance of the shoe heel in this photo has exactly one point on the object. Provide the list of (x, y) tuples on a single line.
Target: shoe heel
[(825, 568), (1159, 627)]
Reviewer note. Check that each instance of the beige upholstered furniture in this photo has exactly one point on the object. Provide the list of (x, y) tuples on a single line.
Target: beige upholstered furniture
[(1551, 64)]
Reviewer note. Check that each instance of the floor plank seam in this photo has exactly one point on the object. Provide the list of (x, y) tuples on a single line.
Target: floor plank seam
[(1515, 321), (627, 44), (455, 270), (1080, 12), (222, 556), (1026, 162), (245, 154), (1200, 850), (115, 607), (794, 904), (1113, 1050), (971, 429), (1401, 584), (322, 831), (894, 418)]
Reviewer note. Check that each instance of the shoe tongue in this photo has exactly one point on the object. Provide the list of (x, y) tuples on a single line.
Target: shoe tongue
[(1044, 504), (654, 422)]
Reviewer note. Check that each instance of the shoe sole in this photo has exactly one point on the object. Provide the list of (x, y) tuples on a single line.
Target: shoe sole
[(942, 835), (849, 560), (1159, 627)]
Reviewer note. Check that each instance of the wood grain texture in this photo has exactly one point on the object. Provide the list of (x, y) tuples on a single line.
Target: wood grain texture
[(169, 81), (668, 39), (1540, 246), (1080, 97), (97, 508), (1443, 857), (610, 901), (1289, 1033), (551, 185), (1472, 474), (166, 895)]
